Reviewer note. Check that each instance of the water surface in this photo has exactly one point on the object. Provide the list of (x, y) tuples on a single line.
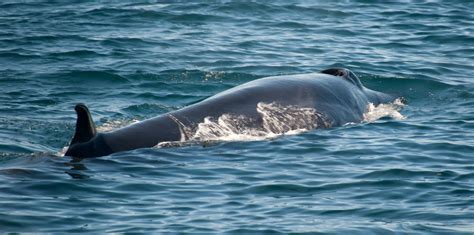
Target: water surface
[(130, 61)]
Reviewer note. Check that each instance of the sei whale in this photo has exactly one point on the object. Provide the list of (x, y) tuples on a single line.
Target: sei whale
[(336, 95)]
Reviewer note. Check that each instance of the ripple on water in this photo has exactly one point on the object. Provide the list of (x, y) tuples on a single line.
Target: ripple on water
[(130, 61)]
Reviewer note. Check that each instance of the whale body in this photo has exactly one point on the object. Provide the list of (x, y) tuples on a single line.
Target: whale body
[(337, 96)]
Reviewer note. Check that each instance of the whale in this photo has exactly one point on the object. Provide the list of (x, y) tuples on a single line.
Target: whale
[(335, 95)]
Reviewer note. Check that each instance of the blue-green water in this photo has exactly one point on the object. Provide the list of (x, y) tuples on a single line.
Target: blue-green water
[(132, 61)]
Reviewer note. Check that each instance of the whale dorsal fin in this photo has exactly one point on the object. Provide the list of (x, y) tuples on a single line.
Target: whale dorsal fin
[(345, 73), (85, 128)]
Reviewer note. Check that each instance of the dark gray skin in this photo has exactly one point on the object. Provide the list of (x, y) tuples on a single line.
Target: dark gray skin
[(336, 93)]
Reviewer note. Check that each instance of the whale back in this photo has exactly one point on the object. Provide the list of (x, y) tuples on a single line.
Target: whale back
[(336, 96), (346, 74), (375, 97)]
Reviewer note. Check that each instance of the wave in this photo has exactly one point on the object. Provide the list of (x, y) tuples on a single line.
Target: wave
[(145, 14), (87, 76), (413, 89), (76, 54), (10, 56)]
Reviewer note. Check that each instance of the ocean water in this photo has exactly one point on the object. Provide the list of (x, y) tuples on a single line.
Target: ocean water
[(408, 170)]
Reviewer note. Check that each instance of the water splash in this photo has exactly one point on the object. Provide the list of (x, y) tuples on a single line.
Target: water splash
[(115, 124), (391, 110)]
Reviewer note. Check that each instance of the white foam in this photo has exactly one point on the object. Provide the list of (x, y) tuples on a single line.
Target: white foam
[(391, 110), (62, 151), (115, 124)]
